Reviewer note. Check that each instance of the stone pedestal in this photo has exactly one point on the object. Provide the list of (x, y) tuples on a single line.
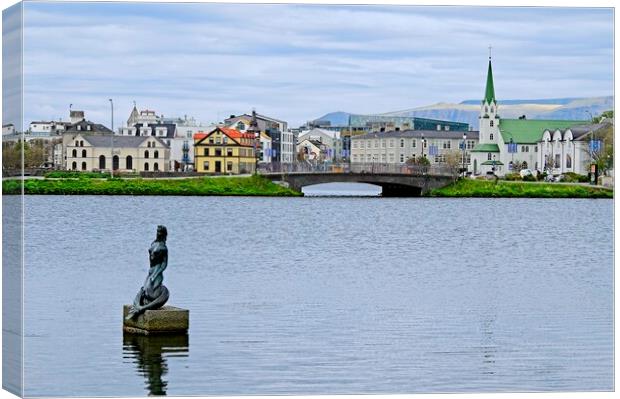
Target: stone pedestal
[(168, 319)]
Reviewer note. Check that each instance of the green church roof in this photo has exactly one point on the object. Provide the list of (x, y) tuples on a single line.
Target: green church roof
[(530, 131), (496, 163), (486, 148), (489, 92)]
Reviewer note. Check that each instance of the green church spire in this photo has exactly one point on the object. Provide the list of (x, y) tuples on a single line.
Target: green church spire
[(489, 93)]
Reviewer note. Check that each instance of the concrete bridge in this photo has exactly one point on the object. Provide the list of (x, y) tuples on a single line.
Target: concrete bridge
[(395, 180)]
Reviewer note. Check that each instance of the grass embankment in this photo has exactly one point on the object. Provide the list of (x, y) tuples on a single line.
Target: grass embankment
[(254, 186), (490, 188)]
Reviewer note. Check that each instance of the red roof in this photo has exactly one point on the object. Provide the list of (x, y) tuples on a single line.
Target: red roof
[(232, 133), (235, 134)]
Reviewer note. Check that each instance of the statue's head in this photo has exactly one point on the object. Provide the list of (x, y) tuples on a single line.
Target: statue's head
[(162, 233)]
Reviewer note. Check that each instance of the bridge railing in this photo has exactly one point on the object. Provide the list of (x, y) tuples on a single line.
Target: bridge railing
[(363, 168)]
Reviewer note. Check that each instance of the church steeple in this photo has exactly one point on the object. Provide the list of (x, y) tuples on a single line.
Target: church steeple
[(489, 92)]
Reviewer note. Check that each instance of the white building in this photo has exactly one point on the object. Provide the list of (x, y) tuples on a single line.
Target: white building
[(557, 146), (331, 139), (398, 146), (176, 133), (99, 152)]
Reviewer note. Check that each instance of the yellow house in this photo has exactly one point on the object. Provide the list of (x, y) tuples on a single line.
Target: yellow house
[(224, 150)]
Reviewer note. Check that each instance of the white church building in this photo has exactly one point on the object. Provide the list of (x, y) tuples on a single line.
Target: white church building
[(555, 146)]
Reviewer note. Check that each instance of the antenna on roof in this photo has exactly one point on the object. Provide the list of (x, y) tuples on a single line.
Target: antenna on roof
[(490, 52)]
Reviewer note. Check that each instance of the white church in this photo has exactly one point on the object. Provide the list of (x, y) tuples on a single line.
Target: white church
[(554, 146)]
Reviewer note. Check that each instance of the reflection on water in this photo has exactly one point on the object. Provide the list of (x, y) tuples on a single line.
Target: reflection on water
[(149, 353)]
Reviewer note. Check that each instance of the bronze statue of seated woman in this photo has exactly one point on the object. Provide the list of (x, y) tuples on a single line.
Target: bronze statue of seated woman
[(153, 294)]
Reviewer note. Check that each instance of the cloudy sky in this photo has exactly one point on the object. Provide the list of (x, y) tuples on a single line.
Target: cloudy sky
[(297, 62)]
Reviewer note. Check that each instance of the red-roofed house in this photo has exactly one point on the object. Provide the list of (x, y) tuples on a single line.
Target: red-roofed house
[(224, 151)]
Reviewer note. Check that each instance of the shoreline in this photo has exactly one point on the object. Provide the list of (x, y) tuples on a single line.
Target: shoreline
[(256, 186)]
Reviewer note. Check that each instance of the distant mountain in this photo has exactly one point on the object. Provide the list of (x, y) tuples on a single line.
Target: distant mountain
[(468, 111)]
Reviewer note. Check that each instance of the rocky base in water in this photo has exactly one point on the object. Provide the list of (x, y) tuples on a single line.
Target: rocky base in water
[(168, 319)]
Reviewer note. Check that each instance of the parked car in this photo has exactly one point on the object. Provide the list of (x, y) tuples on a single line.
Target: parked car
[(525, 172)]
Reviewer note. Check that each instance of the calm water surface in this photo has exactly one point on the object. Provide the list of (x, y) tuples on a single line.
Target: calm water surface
[(322, 295)]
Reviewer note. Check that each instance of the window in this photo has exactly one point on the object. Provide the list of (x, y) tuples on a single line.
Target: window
[(77, 143), (368, 159), (391, 156), (486, 109), (129, 162), (438, 127), (491, 123), (402, 143), (229, 152), (229, 166), (156, 155), (489, 156), (146, 166), (491, 136), (74, 153), (156, 167), (74, 165), (569, 161), (383, 158), (413, 143), (218, 152), (146, 153), (83, 165), (83, 153), (81, 143), (556, 163), (376, 143), (225, 140), (402, 158), (205, 165), (391, 143), (470, 144), (102, 162), (536, 149), (382, 143), (491, 111), (206, 152)]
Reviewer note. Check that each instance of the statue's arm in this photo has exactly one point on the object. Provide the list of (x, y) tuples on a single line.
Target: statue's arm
[(160, 267)]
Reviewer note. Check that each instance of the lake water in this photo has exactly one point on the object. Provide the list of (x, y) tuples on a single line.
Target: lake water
[(322, 295)]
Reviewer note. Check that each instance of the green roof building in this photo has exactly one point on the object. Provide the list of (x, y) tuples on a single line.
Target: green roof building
[(504, 143)]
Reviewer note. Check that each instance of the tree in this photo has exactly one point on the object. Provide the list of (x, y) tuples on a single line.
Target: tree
[(605, 115), (454, 161)]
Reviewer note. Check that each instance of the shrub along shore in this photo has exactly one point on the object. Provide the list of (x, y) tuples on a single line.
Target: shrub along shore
[(238, 186), (259, 186), (516, 189)]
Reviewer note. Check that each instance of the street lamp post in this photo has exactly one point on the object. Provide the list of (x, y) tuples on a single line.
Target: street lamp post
[(112, 138), (464, 138)]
